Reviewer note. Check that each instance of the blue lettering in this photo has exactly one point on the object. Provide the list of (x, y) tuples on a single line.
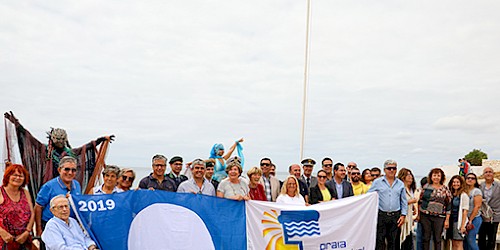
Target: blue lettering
[(333, 245)]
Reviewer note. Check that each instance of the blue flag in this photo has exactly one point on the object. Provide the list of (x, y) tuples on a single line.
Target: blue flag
[(145, 219)]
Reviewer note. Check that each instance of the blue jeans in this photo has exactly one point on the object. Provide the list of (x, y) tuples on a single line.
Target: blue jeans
[(419, 236), (470, 242)]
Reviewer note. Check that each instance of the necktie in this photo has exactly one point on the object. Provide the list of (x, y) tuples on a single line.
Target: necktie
[(308, 182)]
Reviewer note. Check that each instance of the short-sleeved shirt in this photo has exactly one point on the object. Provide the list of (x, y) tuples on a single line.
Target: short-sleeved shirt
[(98, 190), (473, 193), (190, 186), (359, 188), (230, 189), (50, 190), (150, 182)]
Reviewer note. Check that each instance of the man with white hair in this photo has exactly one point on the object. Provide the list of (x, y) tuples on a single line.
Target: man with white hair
[(62, 231), (491, 193), (197, 184)]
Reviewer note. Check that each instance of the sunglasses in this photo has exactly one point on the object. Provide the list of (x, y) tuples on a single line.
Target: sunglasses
[(471, 178), (375, 175), (355, 173), (328, 165), (70, 169), (350, 166), (391, 168), (127, 178), (265, 164), (321, 176)]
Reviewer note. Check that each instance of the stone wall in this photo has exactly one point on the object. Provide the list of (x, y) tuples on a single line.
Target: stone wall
[(494, 164)]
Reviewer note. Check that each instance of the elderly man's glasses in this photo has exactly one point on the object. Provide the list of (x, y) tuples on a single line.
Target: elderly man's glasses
[(61, 207), (160, 165), (391, 168)]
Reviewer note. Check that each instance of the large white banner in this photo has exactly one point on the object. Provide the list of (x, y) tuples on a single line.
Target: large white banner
[(349, 223)]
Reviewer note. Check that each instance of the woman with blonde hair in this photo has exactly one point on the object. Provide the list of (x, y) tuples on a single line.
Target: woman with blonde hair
[(406, 238), (256, 189), (290, 192)]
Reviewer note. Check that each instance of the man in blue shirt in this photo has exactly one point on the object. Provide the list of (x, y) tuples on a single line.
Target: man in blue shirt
[(63, 232), (63, 184), (392, 205)]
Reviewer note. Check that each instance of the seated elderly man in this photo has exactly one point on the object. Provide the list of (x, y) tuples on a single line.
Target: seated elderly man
[(63, 232), (198, 184)]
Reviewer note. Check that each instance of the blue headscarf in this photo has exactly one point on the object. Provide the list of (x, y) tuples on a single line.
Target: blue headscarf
[(215, 150)]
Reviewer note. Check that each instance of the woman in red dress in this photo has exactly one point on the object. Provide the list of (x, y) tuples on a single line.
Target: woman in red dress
[(16, 210), (256, 189)]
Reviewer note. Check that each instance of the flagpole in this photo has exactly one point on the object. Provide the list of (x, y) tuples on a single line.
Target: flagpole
[(306, 79)]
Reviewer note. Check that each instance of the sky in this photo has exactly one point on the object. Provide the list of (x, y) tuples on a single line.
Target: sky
[(414, 81)]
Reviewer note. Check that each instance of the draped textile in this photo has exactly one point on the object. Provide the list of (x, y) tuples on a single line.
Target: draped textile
[(42, 160)]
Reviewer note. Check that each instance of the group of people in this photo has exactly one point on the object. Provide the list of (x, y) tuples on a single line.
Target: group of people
[(435, 206)]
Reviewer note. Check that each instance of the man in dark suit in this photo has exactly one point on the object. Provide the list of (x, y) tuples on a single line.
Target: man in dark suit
[(341, 188), (307, 177)]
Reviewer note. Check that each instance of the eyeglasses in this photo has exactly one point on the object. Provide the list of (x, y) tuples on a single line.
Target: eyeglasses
[(488, 172), (198, 168), (328, 165), (127, 178), (354, 173), (160, 165), (375, 175), (350, 166), (391, 168), (61, 207), (471, 178), (321, 176), (265, 164), (70, 169)]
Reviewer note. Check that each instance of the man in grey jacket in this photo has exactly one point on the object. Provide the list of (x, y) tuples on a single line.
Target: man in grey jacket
[(341, 188), (491, 193)]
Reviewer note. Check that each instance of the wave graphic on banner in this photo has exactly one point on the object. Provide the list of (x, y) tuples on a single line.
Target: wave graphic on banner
[(289, 227)]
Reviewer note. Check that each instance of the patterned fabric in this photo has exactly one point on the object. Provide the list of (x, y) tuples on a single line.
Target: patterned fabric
[(14, 216), (267, 188), (435, 201)]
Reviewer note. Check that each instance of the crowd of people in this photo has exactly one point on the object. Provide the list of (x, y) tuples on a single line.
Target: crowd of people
[(437, 208)]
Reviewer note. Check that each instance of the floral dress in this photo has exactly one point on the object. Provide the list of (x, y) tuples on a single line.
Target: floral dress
[(14, 217)]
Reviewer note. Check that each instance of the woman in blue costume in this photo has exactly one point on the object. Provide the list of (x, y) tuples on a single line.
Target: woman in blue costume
[(218, 158)]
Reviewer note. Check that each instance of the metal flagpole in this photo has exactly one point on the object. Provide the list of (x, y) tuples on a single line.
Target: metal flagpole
[(306, 79)]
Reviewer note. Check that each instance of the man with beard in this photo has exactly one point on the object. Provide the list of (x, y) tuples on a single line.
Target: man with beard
[(341, 188), (358, 187)]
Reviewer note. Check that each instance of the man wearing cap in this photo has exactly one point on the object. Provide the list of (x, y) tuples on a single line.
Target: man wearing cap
[(271, 184), (198, 184), (209, 172), (175, 174), (157, 179), (307, 177), (392, 205)]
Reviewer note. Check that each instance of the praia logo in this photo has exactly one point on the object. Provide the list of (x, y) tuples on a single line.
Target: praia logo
[(287, 229)]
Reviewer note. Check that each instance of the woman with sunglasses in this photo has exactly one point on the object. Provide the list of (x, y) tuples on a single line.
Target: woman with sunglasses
[(125, 179), (290, 192), (367, 178), (16, 210), (459, 208), (320, 192), (406, 239), (110, 175), (434, 209), (474, 214)]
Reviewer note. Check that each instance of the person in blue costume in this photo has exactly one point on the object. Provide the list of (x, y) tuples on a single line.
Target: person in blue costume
[(218, 158)]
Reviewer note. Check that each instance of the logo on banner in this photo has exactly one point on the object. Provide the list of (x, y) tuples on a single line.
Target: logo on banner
[(288, 229)]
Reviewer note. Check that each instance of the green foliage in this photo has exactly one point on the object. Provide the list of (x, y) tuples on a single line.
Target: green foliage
[(475, 157)]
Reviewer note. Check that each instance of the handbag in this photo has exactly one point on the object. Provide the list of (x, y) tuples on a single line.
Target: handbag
[(469, 227)]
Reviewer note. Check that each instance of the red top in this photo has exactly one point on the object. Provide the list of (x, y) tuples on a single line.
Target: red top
[(258, 193), (14, 216)]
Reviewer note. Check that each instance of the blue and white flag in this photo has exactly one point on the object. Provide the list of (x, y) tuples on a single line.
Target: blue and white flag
[(349, 223), (145, 219)]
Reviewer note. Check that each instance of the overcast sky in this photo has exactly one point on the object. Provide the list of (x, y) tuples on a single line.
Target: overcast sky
[(414, 81)]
